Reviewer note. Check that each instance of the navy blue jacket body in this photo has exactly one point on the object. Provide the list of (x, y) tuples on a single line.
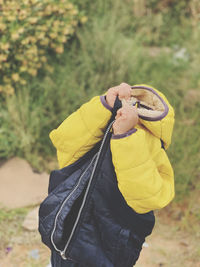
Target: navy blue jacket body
[(106, 231)]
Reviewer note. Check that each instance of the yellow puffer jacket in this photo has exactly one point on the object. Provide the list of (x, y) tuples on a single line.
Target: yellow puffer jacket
[(144, 173)]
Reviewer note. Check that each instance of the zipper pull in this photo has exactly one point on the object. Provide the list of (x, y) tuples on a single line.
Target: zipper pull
[(62, 253), (137, 104), (64, 257)]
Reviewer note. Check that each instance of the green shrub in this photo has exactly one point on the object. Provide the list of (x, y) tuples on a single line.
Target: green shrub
[(29, 31)]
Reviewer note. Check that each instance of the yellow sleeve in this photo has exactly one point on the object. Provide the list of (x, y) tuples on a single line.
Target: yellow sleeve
[(78, 133), (145, 178)]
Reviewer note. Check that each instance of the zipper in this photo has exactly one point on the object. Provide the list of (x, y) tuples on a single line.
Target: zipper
[(139, 105), (144, 106), (64, 202), (62, 253)]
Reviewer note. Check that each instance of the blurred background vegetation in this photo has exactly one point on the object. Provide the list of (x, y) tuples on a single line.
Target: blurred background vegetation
[(57, 54)]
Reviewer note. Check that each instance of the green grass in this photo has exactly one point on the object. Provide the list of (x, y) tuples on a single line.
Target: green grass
[(20, 241), (11, 224), (10, 215)]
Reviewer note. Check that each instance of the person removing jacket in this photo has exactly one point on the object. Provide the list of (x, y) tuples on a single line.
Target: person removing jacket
[(141, 134)]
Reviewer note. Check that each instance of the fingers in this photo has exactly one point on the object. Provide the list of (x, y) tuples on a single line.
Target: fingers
[(121, 113), (126, 111), (123, 91)]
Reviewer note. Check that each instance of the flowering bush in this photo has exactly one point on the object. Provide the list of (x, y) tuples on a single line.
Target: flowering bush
[(28, 29)]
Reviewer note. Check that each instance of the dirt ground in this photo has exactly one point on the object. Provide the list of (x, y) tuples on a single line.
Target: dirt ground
[(169, 247), (166, 247)]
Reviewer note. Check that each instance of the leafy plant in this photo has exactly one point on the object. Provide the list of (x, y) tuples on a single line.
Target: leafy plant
[(29, 31)]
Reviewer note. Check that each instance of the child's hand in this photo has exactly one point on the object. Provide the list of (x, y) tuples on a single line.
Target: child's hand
[(126, 119), (123, 91)]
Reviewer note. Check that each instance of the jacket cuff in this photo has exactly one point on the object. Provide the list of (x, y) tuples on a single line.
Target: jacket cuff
[(119, 136), (104, 103)]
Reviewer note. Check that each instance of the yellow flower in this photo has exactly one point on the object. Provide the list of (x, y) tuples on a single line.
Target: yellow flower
[(19, 56), (36, 59), (21, 30), (59, 49), (44, 42), (74, 12), (69, 6), (49, 68), (53, 35), (83, 19), (34, 1), (3, 58), (21, 17), (5, 46), (15, 77), (2, 27), (41, 35), (22, 14), (32, 50), (61, 11), (43, 59), (55, 8), (63, 39), (25, 41), (43, 28), (56, 23), (67, 30), (48, 10), (14, 36), (40, 13), (22, 81), (33, 20), (11, 18), (1, 88), (23, 69), (74, 22), (33, 72), (9, 90), (33, 39)]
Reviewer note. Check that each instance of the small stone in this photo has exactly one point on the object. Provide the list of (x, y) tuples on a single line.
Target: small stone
[(31, 221), (49, 265), (145, 245), (20, 186), (34, 254)]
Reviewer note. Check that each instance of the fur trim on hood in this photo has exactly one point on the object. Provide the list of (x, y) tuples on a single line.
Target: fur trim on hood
[(154, 111)]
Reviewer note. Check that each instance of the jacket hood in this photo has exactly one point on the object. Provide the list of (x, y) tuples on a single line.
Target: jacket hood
[(154, 111)]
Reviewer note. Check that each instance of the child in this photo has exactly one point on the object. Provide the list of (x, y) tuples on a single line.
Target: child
[(144, 173)]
